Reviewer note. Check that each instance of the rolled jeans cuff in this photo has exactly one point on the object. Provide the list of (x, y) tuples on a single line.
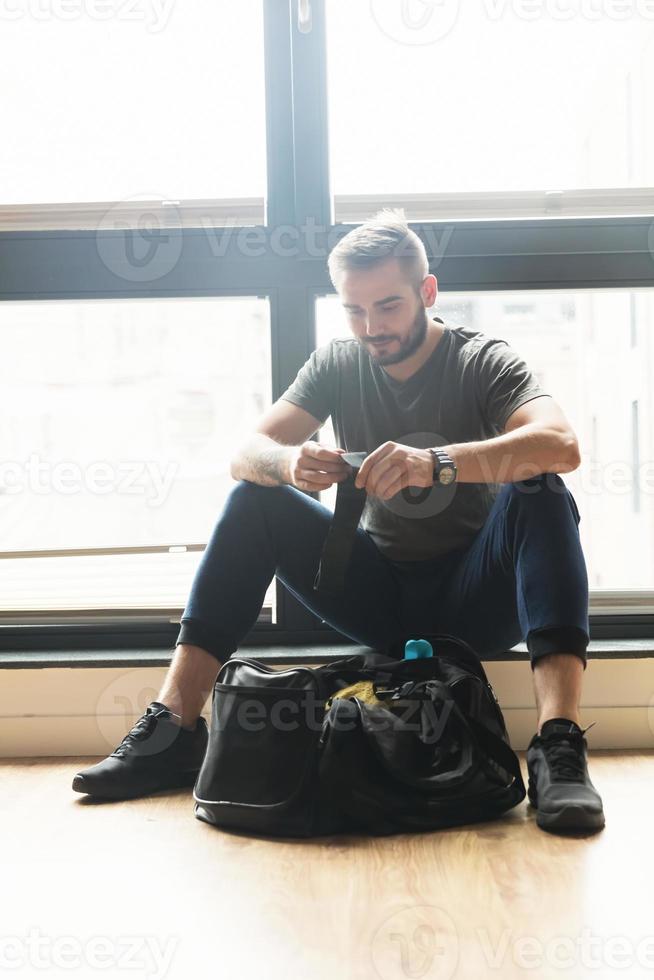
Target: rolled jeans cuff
[(198, 634), (557, 639)]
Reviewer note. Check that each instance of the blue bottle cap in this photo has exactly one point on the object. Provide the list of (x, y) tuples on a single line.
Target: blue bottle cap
[(415, 649)]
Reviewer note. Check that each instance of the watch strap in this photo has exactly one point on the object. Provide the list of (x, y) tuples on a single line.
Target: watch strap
[(441, 459)]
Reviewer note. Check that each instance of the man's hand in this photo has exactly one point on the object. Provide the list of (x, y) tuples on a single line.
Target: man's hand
[(392, 467), (313, 466)]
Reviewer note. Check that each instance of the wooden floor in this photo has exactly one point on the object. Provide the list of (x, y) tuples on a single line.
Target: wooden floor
[(162, 894)]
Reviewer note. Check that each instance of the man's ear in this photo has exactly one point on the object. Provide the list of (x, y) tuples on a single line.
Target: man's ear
[(429, 290)]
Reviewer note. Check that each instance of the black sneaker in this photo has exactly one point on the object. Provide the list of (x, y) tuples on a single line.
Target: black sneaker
[(559, 784), (156, 754)]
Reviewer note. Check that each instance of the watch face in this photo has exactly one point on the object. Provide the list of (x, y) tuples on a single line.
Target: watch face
[(446, 476)]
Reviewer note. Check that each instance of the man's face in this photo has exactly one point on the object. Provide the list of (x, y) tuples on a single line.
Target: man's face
[(384, 312)]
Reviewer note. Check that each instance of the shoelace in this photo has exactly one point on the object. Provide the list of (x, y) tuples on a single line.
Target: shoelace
[(565, 754), (141, 729)]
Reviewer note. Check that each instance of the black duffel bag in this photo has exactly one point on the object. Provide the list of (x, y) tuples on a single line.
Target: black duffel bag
[(420, 744)]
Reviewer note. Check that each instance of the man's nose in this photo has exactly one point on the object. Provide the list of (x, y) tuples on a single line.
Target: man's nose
[(374, 326)]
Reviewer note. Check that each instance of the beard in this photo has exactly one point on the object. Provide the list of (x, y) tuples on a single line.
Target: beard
[(408, 346)]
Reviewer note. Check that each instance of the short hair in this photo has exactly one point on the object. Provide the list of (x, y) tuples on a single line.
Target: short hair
[(384, 236)]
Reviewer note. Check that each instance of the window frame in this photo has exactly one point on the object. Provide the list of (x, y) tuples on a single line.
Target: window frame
[(51, 253)]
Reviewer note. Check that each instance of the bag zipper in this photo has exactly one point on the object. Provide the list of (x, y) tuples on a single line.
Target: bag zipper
[(316, 679), (263, 689)]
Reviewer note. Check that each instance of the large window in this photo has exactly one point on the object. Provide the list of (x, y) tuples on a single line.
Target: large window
[(118, 101), (476, 100), (118, 420), (579, 346), (172, 179)]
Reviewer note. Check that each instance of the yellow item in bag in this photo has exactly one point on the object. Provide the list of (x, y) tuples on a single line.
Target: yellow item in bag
[(362, 689)]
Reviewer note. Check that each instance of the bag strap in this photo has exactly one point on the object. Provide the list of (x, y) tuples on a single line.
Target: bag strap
[(350, 501), (498, 750)]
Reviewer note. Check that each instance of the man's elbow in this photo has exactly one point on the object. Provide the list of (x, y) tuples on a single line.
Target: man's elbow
[(568, 452), (234, 466), (242, 454)]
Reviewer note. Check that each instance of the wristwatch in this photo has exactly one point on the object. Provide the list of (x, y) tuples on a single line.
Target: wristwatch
[(444, 468)]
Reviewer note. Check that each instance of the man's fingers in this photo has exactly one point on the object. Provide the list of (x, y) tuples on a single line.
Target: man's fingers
[(319, 467), (328, 465), (316, 451), (314, 477), (315, 485), (332, 470)]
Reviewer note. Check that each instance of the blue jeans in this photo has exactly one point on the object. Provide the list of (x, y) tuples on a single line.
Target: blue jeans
[(522, 577)]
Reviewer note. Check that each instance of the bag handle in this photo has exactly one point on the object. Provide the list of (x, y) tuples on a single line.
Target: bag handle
[(497, 749)]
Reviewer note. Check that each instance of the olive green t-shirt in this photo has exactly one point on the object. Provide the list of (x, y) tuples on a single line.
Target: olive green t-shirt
[(464, 392)]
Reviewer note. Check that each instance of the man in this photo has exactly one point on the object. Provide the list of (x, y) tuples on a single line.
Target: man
[(491, 552)]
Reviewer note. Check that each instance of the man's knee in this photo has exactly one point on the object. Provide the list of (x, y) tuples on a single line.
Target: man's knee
[(247, 497), (247, 488), (539, 486), (545, 488), (544, 498)]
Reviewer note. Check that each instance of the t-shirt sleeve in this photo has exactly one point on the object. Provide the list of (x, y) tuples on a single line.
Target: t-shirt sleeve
[(504, 382), (313, 388)]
